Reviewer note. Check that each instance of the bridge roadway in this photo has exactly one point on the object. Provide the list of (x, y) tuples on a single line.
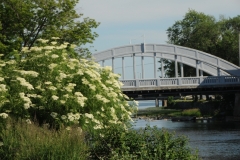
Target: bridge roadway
[(150, 89)]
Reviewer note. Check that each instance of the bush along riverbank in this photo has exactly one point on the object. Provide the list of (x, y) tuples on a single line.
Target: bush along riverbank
[(27, 140)]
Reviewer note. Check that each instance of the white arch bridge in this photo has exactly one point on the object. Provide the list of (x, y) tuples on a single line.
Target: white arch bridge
[(225, 76)]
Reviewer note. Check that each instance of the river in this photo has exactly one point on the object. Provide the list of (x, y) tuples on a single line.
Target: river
[(214, 140)]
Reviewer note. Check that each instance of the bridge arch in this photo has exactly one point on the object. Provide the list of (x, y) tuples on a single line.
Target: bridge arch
[(202, 61)]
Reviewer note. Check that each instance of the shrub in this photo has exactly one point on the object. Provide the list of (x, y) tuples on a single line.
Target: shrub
[(171, 102), (147, 143), (51, 84)]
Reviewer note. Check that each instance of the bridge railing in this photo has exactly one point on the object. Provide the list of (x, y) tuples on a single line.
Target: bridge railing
[(182, 81)]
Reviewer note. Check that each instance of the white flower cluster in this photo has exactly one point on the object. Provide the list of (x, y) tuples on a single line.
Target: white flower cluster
[(52, 65), (11, 62), (31, 73), (91, 86), (54, 114), (101, 98), (80, 98), (28, 102), (54, 56), (42, 40), (4, 115), (52, 88), (71, 117), (3, 88), (23, 82), (107, 68), (70, 87), (54, 97)]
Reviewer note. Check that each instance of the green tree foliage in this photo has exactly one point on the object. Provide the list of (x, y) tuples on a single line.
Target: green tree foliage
[(24, 21), (145, 143), (203, 32)]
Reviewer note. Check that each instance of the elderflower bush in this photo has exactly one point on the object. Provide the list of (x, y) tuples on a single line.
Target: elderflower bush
[(51, 84)]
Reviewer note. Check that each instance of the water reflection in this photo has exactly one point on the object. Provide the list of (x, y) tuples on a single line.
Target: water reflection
[(214, 140)]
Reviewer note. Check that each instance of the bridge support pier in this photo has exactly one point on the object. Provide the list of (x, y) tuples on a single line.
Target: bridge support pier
[(156, 102), (236, 111), (164, 101)]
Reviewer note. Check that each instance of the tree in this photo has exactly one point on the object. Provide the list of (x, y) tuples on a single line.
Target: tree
[(25, 21), (203, 32)]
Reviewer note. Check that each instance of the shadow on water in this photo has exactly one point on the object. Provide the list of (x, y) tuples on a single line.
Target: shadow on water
[(214, 140)]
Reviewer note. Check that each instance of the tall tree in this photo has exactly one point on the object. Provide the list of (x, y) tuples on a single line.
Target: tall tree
[(203, 32), (24, 21)]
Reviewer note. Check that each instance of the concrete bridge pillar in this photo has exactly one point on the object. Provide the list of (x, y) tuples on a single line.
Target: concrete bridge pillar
[(162, 68), (155, 65), (134, 67), (113, 64), (236, 111), (157, 102), (181, 65), (164, 101), (197, 68), (142, 67), (176, 67)]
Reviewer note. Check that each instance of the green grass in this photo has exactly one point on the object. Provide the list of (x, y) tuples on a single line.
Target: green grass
[(153, 111), (158, 111), (29, 141), (191, 112)]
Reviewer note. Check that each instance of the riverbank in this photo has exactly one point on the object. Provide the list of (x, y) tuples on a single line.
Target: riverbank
[(193, 114)]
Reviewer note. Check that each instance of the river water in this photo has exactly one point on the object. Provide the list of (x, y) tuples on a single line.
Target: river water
[(214, 140)]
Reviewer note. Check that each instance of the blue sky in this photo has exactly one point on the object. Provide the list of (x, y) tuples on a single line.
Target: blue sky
[(125, 20), (122, 20)]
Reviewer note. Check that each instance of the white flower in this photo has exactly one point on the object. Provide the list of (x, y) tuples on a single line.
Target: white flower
[(4, 115), (55, 97), (54, 56), (3, 64), (52, 88), (70, 117), (64, 117), (26, 105), (3, 88), (23, 82), (11, 62), (35, 49), (68, 128), (42, 40), (55, 38), (28, 121), (62, 101), (54, 43), (48, 82), (31, 73), (90, 116), (52, 65), (54, 114), (1, 79), (62, 75), (108, 68)]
